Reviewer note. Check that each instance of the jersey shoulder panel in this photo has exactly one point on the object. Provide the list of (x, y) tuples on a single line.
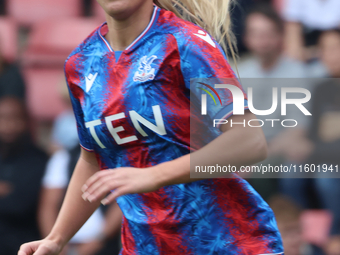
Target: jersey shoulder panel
[(78, 51), (78, 62), (186, 33), (200, 53)]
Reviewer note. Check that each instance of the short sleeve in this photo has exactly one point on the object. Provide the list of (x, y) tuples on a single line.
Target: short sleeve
[(76, 95), (204, 65)]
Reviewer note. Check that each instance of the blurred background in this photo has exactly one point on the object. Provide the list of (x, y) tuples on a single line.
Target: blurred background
[(38, 137)]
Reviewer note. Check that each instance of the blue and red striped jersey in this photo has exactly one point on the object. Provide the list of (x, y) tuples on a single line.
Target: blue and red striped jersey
[(135, 111)]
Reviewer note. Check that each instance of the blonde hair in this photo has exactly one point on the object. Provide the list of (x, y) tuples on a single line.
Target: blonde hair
[(211, 15)]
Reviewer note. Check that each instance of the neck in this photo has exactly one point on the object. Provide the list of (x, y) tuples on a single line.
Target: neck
[(122, 32)]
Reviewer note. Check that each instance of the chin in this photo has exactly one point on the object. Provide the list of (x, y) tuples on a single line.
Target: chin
[(115, 7), (120, 9)]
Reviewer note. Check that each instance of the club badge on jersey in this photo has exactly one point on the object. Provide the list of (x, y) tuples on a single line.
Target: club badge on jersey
[(145, 72)]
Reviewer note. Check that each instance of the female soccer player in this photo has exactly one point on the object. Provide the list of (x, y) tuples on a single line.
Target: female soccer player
[(130, 86)]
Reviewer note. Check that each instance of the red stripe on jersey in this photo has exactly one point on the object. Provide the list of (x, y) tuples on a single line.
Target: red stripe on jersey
[(239, 217), (159, 209), (73, 77), (128, 241)]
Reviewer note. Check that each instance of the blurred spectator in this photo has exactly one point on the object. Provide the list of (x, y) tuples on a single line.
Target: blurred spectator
[(11, 81), (96, 235), (330, 52), (264, 38), (325, 138), (287, 216), (325, 131), (264, 32), (64, 131), (325, 126), (263, 70), (306, 18), (22, 166), (238, 16)]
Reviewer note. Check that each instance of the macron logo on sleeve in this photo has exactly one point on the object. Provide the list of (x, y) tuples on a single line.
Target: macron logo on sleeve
[(89, 80), (203, 35)]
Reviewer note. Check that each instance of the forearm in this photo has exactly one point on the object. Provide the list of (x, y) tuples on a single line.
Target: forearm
[(235, 147), (74, 211), (46, 223)]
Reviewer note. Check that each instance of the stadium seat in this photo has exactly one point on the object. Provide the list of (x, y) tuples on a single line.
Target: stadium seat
[(43, 92), (8, 39), (316, 226), (30, 12), (50, 42)]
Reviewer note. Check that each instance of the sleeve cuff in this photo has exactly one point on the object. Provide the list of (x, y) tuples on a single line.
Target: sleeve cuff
[(87, 149)]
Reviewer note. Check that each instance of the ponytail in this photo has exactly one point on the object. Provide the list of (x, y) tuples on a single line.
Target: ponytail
[(211, 15)]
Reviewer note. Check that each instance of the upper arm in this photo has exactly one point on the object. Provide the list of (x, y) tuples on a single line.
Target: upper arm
[(77, 96), (242, 119), (203, 67), (89, 157), (51, 199)]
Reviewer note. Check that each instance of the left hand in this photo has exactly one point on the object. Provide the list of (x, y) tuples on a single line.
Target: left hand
[(121, 181)]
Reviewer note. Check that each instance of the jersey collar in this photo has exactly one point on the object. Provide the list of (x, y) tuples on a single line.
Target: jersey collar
[(103, 29)]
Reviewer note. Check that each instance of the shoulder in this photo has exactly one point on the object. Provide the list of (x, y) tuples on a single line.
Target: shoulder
[(200, 54), (187, 34), (80, 51)]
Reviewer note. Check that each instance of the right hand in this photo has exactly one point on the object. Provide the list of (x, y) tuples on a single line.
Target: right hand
[(42, 247)]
